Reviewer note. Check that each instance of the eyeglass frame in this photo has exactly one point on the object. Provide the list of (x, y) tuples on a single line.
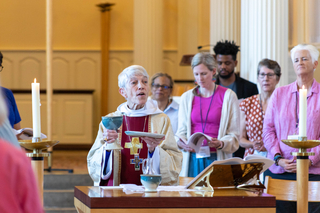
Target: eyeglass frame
[(157, 86), (269, 75)]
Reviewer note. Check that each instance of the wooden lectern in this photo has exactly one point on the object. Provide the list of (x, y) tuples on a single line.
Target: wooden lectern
[(186, 60)]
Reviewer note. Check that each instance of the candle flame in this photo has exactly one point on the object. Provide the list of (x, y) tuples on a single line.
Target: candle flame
[(35, 80), (303, 87)]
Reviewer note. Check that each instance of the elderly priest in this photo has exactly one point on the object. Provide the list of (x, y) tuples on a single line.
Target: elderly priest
[(140, 114)]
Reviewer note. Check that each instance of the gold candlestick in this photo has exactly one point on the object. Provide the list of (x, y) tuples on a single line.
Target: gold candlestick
[(37, 158), (302, 169)]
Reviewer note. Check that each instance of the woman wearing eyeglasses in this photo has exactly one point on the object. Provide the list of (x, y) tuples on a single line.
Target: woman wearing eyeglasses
[(162, 85), (252, 109), (210, 109)]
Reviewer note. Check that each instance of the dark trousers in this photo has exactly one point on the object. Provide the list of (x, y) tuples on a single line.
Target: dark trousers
[(291, 206)]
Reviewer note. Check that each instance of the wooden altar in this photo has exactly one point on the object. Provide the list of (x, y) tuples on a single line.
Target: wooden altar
[(112, 199)]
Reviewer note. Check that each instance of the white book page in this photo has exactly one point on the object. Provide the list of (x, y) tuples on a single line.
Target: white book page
[(195, 141)]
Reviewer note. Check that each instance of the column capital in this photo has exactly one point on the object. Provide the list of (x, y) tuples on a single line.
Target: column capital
[(105, 6)]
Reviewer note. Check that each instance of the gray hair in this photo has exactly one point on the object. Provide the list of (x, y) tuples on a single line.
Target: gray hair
[(270, 64), (314, 52), (134, 70), (205, 59)]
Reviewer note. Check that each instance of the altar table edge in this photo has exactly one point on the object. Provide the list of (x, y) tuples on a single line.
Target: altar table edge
[(82, 208), (264, 201)]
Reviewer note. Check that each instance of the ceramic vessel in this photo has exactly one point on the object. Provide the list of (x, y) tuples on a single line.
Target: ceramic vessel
[(150, 182)]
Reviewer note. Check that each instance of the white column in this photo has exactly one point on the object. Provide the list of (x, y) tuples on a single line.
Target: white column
[(313, 22), (225, 21), (264, 34), (148, 35)]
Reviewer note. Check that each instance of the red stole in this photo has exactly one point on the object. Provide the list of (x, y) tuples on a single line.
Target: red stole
[(128, 174)]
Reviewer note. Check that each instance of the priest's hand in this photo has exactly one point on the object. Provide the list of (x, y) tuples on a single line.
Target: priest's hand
[(109, 136), (215, 143), (152, 143), (288, 165), (184, 146)]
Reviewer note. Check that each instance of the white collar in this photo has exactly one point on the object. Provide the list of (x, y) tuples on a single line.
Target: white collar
[(174, 105), (150, 108)]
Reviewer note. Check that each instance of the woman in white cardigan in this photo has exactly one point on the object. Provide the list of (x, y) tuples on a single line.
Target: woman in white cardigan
[(210, 109)]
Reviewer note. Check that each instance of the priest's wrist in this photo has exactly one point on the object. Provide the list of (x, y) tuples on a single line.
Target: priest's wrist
[(151, 150)]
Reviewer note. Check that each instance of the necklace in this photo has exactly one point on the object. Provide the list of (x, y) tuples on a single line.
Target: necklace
[(204, 126)]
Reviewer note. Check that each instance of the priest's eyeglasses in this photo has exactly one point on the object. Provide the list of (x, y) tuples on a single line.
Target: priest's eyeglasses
[(269, 75), (157, 86), (1, 68)]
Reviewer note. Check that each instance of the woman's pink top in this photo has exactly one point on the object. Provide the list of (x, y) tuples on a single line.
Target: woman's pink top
[(280, 121), (212, 125)]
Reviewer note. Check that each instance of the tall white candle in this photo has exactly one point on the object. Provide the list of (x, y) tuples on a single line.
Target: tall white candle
[(303, 112), (36, 109)]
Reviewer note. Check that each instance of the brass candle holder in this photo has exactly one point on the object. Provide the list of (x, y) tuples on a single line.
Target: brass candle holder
[(36, 145), (302, 143)]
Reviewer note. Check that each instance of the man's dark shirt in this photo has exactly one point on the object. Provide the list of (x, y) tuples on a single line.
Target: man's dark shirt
[(244, 89)]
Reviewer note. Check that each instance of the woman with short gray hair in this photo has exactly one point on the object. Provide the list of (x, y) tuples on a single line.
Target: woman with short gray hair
[(139, 114), (210, 109), (252, 109), (282, 119)]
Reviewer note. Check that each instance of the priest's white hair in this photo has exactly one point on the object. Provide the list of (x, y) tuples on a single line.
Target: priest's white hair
[(314, 52), (134, 70)]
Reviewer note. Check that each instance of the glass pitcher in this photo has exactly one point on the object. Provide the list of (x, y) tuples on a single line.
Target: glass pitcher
[(147, 167)]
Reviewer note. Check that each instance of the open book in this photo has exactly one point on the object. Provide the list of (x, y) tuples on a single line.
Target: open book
[(233, 172), (248, 159), (26, 134), (195, 140)]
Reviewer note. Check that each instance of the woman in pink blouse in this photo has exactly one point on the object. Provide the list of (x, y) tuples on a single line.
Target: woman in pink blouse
[(252, 109), (282, 118)]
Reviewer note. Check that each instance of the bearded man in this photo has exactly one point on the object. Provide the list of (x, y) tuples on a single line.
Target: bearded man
[(226, 57)]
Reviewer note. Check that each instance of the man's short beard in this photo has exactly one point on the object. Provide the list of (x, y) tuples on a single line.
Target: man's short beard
[(227, 76)]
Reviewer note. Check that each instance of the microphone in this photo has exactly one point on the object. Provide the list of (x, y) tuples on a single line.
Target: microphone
[(200, 47)]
